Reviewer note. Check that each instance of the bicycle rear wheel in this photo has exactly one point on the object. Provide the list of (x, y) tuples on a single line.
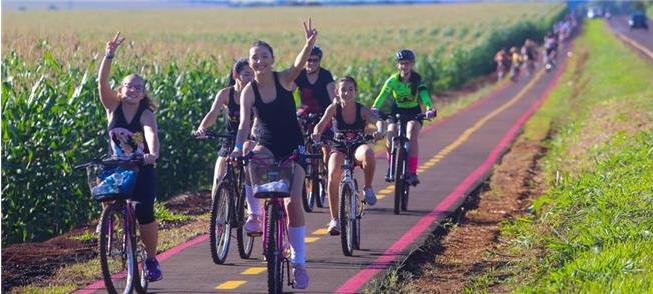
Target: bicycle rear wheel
[(306, 195), (274, 248), (347, 220), (400, 183), (117, 248), (220, 227)]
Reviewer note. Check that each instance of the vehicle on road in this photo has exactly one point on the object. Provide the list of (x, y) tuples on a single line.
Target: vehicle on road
[(638, 20)]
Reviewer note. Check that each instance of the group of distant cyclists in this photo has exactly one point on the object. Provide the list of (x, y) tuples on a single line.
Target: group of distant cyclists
[(261, 113), (516, 61)]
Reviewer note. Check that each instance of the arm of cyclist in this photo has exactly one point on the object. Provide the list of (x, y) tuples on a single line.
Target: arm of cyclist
[(108, 97), (371, 117), (150, 130), (385, 91), (209, 119), (289, 75), (426, 99), (324, 121), (246, 104)]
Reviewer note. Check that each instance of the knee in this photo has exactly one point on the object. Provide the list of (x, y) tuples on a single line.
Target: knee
[(144, 213)]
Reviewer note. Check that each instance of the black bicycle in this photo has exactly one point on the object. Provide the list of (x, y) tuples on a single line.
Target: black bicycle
[(398, 161), (228, 205), (112, 182), (314, 191), (351, 207)]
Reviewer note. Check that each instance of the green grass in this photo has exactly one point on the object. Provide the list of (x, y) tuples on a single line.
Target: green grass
[(591, 231)]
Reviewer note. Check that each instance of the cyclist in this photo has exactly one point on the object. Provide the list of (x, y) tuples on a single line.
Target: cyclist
[(551, 48), (528, 53), (515, 64), (228, 99), (500, 58), (270, 95), (133, 131), (407, 90), (350, 119), (316, 89)]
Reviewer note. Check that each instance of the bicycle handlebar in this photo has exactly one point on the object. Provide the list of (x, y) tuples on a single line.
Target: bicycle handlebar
[(113, 161), (210, 135)]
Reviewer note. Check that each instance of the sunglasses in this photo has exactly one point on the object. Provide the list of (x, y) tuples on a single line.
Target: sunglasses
[(313, 60)]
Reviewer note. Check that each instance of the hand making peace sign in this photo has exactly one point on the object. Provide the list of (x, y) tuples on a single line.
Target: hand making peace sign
[(113, 45)]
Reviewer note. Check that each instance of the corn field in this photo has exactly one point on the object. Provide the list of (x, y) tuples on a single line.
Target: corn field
[(52, 118)]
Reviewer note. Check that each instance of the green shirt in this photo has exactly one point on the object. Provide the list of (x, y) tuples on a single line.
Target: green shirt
[(402, 93)]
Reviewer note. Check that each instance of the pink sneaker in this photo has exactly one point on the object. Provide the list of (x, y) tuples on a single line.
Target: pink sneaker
[(253, 224), (300, 276)]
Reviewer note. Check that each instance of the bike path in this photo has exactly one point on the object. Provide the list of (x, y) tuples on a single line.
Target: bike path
[(456, 154)]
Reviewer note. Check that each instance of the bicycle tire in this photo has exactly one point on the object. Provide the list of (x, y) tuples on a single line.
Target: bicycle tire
[(404, 198), (305, 201), (114, 233), (220, 226), (273, 249), (244, 241), (143, 284), (400, 183), (346, 228)]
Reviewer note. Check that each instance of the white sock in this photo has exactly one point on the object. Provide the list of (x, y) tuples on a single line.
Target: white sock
[(296, 238), (253, 204)]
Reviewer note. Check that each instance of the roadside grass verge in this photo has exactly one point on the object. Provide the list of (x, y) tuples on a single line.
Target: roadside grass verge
[(591, 231)]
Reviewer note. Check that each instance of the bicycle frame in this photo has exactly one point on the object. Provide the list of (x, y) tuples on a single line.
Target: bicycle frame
[(398, 141)]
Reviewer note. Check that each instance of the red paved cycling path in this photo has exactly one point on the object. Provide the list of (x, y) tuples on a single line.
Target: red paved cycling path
[(474, 140)]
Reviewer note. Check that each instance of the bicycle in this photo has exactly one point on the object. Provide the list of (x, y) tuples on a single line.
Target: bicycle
[(112, 181), (228, 205), (351, 208), (273, 182), (398, 161), (314, 191)]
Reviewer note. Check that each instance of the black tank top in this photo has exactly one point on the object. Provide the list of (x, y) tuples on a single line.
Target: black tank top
[(279, 129), (233, 113), (314, 97), (127, 139), (341, 126)]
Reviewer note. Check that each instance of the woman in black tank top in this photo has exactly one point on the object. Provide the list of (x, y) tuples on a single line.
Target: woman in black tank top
[(133, 131), (227, 99), (349, 120), (271, 98)]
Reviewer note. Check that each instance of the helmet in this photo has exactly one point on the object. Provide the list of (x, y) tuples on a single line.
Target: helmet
[(405, 54), (317, 51)]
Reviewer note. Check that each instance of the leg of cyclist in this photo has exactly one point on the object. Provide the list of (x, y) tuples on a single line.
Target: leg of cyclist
[(254, 207), (297, 228), (333, 182), (144, 195), (390, 133), (413, 128), (365, 157)]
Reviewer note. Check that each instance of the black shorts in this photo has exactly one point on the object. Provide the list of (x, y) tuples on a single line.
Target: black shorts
[(144, 194), (409, 113)]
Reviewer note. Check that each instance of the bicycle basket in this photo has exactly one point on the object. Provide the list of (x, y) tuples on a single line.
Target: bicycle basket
[(111, 183), (271, 180)]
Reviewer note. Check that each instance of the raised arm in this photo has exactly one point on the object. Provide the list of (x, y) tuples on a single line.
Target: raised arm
[(246, 104), (289, 75), (210, 118), (108, 97), (324, 121)]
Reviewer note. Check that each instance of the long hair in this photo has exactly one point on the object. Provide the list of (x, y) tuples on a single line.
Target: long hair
[(237, 68), (147, 100)]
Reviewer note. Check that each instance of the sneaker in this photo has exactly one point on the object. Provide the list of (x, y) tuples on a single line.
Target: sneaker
[(333, 228), (253, 225), (153, 271), (411, 179), (300, 276), (370, 197)]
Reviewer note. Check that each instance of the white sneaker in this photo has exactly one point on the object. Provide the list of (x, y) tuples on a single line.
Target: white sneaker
[(253, 225), (333, 228)]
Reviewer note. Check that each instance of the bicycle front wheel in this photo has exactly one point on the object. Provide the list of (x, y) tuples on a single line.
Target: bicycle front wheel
[(117, 248), (400, 183), (347, 220), (274, 248), (245, 241), (220, 227)]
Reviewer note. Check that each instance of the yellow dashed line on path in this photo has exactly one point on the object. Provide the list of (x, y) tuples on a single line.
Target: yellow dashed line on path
[(230, 285), (254, 270), (311, 239), (320, 232)]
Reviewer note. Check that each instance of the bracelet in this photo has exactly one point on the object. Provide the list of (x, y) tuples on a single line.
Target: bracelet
[(239, 146), (107, 56)]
